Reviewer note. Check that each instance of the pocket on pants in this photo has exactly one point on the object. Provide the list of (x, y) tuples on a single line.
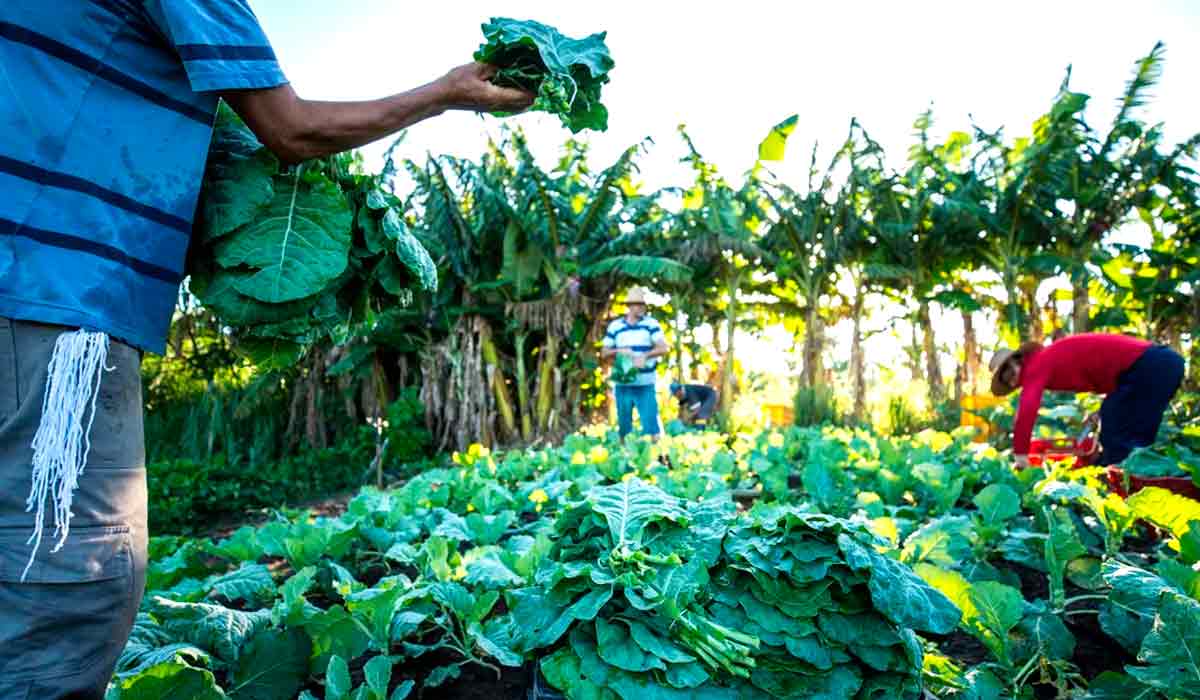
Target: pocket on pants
[(10, 398), (74, 608)]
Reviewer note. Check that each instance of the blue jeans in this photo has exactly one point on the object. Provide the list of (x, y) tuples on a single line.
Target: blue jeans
[(640, 396), (1130, 416)]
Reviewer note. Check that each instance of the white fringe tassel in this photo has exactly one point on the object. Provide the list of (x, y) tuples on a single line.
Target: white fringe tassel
[(61, 445)]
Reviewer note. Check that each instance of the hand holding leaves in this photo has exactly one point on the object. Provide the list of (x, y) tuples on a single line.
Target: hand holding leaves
[(469, 87)]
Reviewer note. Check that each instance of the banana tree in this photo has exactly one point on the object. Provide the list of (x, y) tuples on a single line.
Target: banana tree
[(716, 234), (1109, 176)]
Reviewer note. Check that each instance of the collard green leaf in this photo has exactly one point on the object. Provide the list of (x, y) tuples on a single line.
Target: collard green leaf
[(1128, 614), (900, 594), (169, 680), (273, 666), (238, 178), (997, 503), (250, 582), (630, 505), (221, 630), (296, 246), (1168, 510), (616, 646), (337, 679), (1171, 651), (566, 74)]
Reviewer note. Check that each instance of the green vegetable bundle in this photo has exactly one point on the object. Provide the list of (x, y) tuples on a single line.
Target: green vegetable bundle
[(566, 74), (646, 593), (286, 258), (623, 370)]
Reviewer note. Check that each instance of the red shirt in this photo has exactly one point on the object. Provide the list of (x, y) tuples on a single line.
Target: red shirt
[(1089, 362)]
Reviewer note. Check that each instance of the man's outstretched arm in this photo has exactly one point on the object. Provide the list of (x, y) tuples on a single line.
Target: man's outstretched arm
[(296, 129)]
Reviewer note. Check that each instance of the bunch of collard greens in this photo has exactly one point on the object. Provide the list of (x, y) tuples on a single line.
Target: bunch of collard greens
[(623, 369), (286, 258), (646, 595), (566, 74)]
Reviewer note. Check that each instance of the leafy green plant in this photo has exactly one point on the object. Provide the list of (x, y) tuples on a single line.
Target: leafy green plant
[(566, 74)]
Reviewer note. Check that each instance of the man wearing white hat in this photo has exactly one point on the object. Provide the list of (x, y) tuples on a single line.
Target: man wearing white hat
[(640, 338)]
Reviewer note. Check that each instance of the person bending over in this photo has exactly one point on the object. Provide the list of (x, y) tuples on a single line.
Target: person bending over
[(1138, 379), (697, 402)]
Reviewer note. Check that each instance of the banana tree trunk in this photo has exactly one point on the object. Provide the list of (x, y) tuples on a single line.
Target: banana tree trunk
[(523, 389), (545, 398), (811, 374), (1032, 310), (1081, 303), (933, 371), (1012, 305), (970, 351), (727, 370), (914, 356), (857, 360), (495, 378)]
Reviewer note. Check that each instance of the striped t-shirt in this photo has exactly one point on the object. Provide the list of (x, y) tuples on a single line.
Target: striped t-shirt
[(638, 337), (106, 112)]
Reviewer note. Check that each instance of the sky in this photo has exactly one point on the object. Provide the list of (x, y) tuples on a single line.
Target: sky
[(732, 70)]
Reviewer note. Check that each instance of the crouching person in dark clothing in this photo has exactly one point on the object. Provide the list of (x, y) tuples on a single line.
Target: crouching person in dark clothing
[(697, 403)]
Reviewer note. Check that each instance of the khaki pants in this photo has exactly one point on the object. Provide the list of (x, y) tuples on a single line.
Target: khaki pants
[(62, 629)]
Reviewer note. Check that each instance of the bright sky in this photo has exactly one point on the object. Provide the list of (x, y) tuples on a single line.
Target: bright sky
[(732, 73)]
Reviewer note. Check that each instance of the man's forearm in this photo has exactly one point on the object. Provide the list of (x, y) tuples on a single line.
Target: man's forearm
[(296, 129)]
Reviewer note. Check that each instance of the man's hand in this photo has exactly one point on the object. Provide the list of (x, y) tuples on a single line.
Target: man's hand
[(1021, 461), (639, 360), (469, 87), (1091, 421)]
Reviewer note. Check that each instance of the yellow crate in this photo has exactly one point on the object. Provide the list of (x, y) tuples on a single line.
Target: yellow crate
[(778, 415)]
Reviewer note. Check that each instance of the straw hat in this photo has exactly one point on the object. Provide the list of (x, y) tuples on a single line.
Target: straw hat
[(637, 295), (997, 363)]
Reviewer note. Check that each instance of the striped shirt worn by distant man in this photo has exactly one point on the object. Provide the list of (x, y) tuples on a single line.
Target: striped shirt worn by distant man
[(104, 131), (638, 337)]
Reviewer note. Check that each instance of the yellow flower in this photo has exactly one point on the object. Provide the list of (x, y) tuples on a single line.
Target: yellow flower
[(539, 497), (775, 440), (457, 458), (459, 573), (653, 479), (628, 476), (470, 507), (578, 458), (598, 454), (476, 450)]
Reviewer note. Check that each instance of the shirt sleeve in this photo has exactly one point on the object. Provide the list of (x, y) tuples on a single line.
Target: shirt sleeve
[(610, 338), (220, 42), (656, 335), (1027, 413)]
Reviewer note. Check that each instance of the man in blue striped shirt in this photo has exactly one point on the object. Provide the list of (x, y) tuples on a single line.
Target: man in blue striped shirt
[(640, 337), (106, 112)]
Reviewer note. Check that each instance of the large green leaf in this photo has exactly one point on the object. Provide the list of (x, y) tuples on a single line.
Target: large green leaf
[(250, 582), (221, 630), (630, 505), (1171, 651), (900, 594), (1168, 510), (640, 267), (296, 246), (273, 666), (1128, 614), (238, 179), (997, 503), (169, 680)]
